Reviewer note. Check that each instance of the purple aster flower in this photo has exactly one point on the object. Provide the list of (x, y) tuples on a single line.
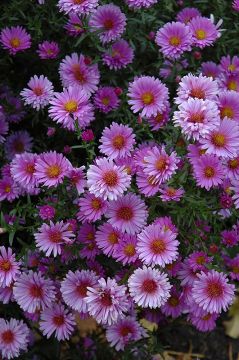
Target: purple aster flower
[(9, 267), (17, 143), (91, 208), (3, 126), (48, 50), (205, 33), (210, 69), (159, 120), (229, 65), (77, 178), (8, 189), (198, 261), (74, 26), (119, 55), (235, 5), (107, 239), (208, 171), (228, 105), (169, 193), (81, 7), (126, 252), (23, 170), (230, 238), (175, 305), (138, 4), (15, 39), (187, 14), (46, 212), (146, 184), (39, 93), (105, 99)]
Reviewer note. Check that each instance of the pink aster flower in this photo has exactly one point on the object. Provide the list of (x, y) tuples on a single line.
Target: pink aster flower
[(74, 70), (107, 239), (138, 4), (74, 26), (157, 121), (15, 39), (81, 7), (210, 69), (33, 292), (77, 178), (165, 222), (233, 265), (212, 292), (105, 99), (48, 50), (86, 237), (148, 95), (8, 189), (186, 274), (91, 208), (9, 267), (198, 261), (197, 117), (46, 212), (117, 141), (228, 105), (229, 82), (223, 141), (17, 143), (199, 87), (229, 65), (4, 127), (159, 165), (149, 287), (126, 250), (174, 39), (169, 193), (127, 214), (70, 106), (175, 305), (205, 33), (6, 294), (147, 184), (50, 238), (124, 332), (106, 180), (14, 338), (51, 168), (109, 21), (23, 168), (235, 5), (230, 238), (156, 246), (74, 288), (232, 168), (107, 301), (57, 320), (203, 322), (208, 171), (119, 55), (187, 14)]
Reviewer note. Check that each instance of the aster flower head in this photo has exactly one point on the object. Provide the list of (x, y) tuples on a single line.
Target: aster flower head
[(50, 238), (15, 39), (23, 168), (91, 208), (70, 106), (175, 305), (149, 287), (156, 246), (126, 250), (165, 222), (198, 261), (57, 320), (106, 180), (204, 321), (208, 171), (8, 189), (86, 237), (147, 95), (3, 126), (81, 7), (46, 212), (229, 82), (235, 5), (107, 239), (74, 70), (232, 168), (230, 238), (48, 50), (127, 214), (124, 332), (119, 55), (159, 120), (14, 338), (228, 105), (17, 143), (51, 168), (229, 65), (174, 39), (77, 178), (147, 184), (197, 117), (105, 99), (138, 4), (117, 141), (74, 26), (187, 14), (74, 288), (33, 292), (169, 193), (109, 21), (210, 69), (223, 141), (107, 301), (205, 33), (9, 267), (39, 92), (212, 292)]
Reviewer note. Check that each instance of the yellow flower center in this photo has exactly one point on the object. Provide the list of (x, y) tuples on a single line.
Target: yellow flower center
[(174, 41), (53, 171), (71, 106), (232, 85), (218, 139), (118, 142), (227, 112), (147, 98), (200, 34), (15, 42), (105, 101), (209, 171)]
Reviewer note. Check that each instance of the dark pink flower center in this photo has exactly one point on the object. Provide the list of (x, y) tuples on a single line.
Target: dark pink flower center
[(7, 337), (149, 286), (125, 213)]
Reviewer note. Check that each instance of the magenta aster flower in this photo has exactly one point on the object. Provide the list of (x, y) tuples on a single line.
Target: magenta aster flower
[(81, 7), (9, 267), (124, 332), (159, 165), (223, 141), (235, 5), (70, 106), (149, 287), (187, 14), (8, 189), (17, 143), (175, 305), (119, 55), (228, 105), (148, 95), (3, 126), (48, 50), (235, 189), (117, 141), (198, 261), (127, 214), (50, 238), (197, 117), (138, 4), (86, 237), (146, 184), (51, 168), (156, 246), (106, 180), (199, 87), (205, 33), (203, 322), (232, 168), (77, 178), (229, 82), (169, 193), (157, 121), (107, 301), (107, 239), (212, 292), (210, 69), (165, 222), (74, 26), (230, 238), (33, 292), (14, 338), (23, 169), (233, 265), (91, 208), (105, 99), (87, 135), (46, 212), (109, 21), (208, 171), (57, 320), (174, 39), (74, 70), (229, 65), (74, 288), (126, 250), (15, 39)]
